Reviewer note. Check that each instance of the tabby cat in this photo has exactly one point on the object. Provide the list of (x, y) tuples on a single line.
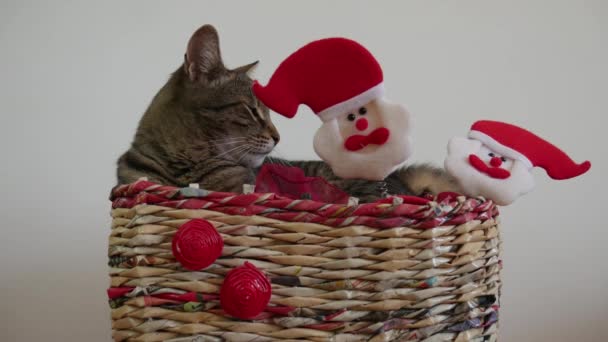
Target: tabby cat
[(205, 126)]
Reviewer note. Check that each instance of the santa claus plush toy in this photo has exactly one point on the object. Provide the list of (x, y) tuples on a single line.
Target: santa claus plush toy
[(362, 134), (496, 161)]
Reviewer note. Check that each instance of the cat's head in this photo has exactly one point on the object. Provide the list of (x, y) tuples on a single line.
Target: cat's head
[(235, 124)]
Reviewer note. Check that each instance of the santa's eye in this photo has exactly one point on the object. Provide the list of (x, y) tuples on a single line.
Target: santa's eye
[(491, 154), (351, 117), (362, 110), (503, 159)]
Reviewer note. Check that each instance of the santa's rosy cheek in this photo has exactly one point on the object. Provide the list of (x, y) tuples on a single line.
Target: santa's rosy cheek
[(361, 124)]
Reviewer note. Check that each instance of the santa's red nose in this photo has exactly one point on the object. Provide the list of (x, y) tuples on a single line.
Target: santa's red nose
[(361, 124), (495, 161)]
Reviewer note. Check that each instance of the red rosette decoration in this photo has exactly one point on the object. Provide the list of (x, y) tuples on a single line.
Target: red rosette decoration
[(245, 292), (197, 244)]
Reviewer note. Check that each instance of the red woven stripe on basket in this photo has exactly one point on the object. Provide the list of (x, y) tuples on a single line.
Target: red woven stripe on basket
[(413, 212)]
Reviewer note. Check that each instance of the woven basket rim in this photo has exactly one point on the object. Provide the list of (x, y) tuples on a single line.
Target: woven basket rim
[(411, 211)]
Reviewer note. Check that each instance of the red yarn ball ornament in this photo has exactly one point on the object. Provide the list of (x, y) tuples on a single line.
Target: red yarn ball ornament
[(197, 244), (245, 292)]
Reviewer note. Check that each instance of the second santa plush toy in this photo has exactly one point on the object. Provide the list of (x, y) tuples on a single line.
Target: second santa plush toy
[(496, 160), (362, 135)]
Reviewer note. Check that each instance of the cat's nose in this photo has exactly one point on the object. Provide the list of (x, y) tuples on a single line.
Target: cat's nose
[(276, 137)]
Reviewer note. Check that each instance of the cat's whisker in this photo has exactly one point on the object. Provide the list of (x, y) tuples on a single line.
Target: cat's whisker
[(241, 152), (227, 140), (213, 136), (237, 148), (229, 143), (244, 153)]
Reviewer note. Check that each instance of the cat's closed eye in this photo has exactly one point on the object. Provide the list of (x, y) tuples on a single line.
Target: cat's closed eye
[(253, 110), (242, 123), (222, 107), (255, 114)]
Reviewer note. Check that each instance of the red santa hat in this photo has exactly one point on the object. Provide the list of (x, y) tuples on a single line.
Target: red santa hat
[(331, 76), (517, 143)]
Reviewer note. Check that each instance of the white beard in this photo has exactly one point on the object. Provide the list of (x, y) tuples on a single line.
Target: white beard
[(476, 183), (374, 162)]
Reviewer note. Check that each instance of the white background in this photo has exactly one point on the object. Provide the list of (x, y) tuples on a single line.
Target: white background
[(75, 78)]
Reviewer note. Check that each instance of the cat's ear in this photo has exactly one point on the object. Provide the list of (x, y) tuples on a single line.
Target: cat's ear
[(203, 59), (246, 68)]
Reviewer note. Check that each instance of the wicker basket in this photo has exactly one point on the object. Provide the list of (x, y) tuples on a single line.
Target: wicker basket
[(400, 271)]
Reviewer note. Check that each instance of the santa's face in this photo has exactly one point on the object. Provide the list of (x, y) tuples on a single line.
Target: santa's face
[(363, 128), (368, 142), (483, 172)]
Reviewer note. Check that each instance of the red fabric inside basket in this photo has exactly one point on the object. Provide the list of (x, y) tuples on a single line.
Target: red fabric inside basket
[(292, 183)]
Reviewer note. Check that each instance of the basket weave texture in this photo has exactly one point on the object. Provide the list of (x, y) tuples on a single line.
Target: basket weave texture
[(413, 271)]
